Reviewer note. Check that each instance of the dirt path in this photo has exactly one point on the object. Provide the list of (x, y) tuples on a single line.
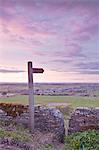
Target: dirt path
[(58, 104)]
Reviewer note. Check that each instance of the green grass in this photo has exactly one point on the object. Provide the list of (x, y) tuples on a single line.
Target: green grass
[(15, 135), (48, 146), (75, 101)]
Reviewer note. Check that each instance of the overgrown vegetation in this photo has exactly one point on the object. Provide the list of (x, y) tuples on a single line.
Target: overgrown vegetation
[(66, 110), (13, 109), (14, 132), (14, 135), (88, 140)]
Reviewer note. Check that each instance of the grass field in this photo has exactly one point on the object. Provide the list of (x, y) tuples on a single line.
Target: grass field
[(75, 101)]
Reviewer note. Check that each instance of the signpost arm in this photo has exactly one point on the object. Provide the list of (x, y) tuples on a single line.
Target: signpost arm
[(31, 97)]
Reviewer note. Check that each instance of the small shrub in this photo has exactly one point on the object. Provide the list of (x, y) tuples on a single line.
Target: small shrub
[(13, 109), (66, 110), (2, 133), (88, 140), (48, 146), (15, 135), (4, 93)]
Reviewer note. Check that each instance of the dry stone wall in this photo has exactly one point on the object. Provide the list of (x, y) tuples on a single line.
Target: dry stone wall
[(83, 119), (46, 119)]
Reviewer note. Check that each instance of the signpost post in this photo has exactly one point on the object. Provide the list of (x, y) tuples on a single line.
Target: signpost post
[(31, 93)]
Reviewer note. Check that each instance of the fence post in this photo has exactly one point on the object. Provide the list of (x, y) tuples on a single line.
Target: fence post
[(31, 97)]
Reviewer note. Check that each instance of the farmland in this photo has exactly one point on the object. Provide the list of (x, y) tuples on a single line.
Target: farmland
[(76, 94), (74, 101), (67, 89)]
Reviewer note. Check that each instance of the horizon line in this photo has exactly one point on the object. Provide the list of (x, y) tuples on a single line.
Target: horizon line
[(50, 82)]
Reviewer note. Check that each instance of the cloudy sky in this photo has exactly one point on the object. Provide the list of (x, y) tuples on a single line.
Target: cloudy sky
[(61, 36)]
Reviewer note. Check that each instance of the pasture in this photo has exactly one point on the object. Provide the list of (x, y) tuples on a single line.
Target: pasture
[(74, 101)]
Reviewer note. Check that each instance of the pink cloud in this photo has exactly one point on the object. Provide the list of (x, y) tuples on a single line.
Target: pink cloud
[(38, 53), (83, 29), (71, 50), (90, 25), (15, 30), (13, 4), (81, 22)]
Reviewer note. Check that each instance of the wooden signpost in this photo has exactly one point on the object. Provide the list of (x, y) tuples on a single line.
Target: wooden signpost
[(31, 93)]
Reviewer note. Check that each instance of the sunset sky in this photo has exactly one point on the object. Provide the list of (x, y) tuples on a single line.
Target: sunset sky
[(61, 36)]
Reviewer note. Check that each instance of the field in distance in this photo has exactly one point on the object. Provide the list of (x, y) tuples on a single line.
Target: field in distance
[(64, 89), (43, 100), (75, 94)]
